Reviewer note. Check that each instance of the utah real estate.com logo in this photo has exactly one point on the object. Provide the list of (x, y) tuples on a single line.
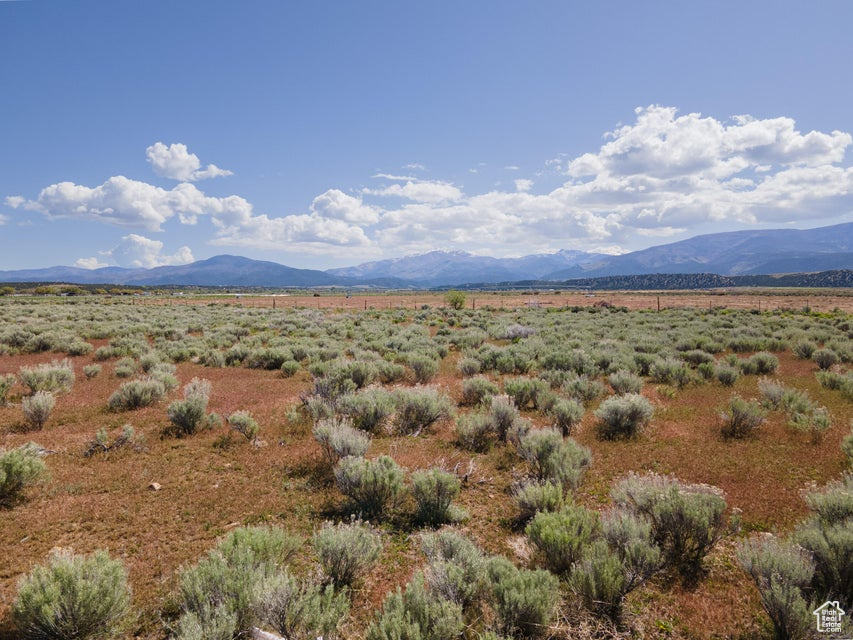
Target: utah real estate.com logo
[(829, 616)]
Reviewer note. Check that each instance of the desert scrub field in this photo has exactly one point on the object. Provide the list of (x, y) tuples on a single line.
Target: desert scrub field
[(201, 470)]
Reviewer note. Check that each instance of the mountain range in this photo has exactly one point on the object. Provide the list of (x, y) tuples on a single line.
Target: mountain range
[(727, 254)]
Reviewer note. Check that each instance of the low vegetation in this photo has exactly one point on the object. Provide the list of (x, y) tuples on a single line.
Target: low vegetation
[(424, 471)]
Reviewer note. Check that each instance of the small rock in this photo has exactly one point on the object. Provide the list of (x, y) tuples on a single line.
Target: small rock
[(154, 486)]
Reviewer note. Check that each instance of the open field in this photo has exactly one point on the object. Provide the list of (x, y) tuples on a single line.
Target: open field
[(215, 481), (747, 299)]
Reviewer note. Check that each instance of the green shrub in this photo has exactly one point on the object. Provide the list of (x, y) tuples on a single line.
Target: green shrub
[(468, 366), (782, 572), (37, 408), (434, 491), (815, 423), (416, 614), (614, 566), (561, 537), (583, 389), (125, 368), (825, 358), (221, 591), (535, 497), (847, 448), (671, 371), (623, 382), (19, 468), (91, 370), (289, 368), (525, 601), (475, 431), (527, 391), (371, 485), (368, 410), (101, 443), (623, 416), (296, 609), (346, 550), (339, 439), (804, 349), (761, 363), (419, 408), (726, 375), (566, 414), (135, 394), (834, 503), (456, 568), (687, 520), (6, 383), (423, 367), (503, 414), (244, 424), (390, 372), (73, 597), (552, 458), (477, 390), (741, 418), (187, 415), (55, 376), (455, 299)]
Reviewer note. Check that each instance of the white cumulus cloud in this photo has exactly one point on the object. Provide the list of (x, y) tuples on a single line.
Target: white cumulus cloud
[(138, 252), (176, 162)]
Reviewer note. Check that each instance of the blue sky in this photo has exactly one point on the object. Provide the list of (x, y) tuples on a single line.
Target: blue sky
[(321, 134)]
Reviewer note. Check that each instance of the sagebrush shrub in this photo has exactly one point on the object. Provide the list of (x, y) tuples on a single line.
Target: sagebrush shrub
[(804, 349), (6, 383), (135, 394), (477, 390), (562, 462), (91, 370), (423, 367), (416, 614), (741, 418), (19, 468), (526, 392), (687, 520), (125, 368), (339, 439), (455, 568), (503, 415), (536, 496), (475, 431), (524, 601), (37, 408), (368, 410), (346, 550), (244, 424), (468, 366), (220, 593), (566, 414), (434, 491), (583, 389), (782, 572), (623, 416), (72, 597), (623, 382), (371, 485), (298, 609), (825, 358), (561, 537), (419, 408), (55, 376), (726, 375)]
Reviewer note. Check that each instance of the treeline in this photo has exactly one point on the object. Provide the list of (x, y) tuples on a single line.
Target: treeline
[(674, 281)]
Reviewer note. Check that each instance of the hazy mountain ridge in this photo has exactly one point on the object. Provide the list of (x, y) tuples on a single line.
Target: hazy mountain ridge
[(737, 253)]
